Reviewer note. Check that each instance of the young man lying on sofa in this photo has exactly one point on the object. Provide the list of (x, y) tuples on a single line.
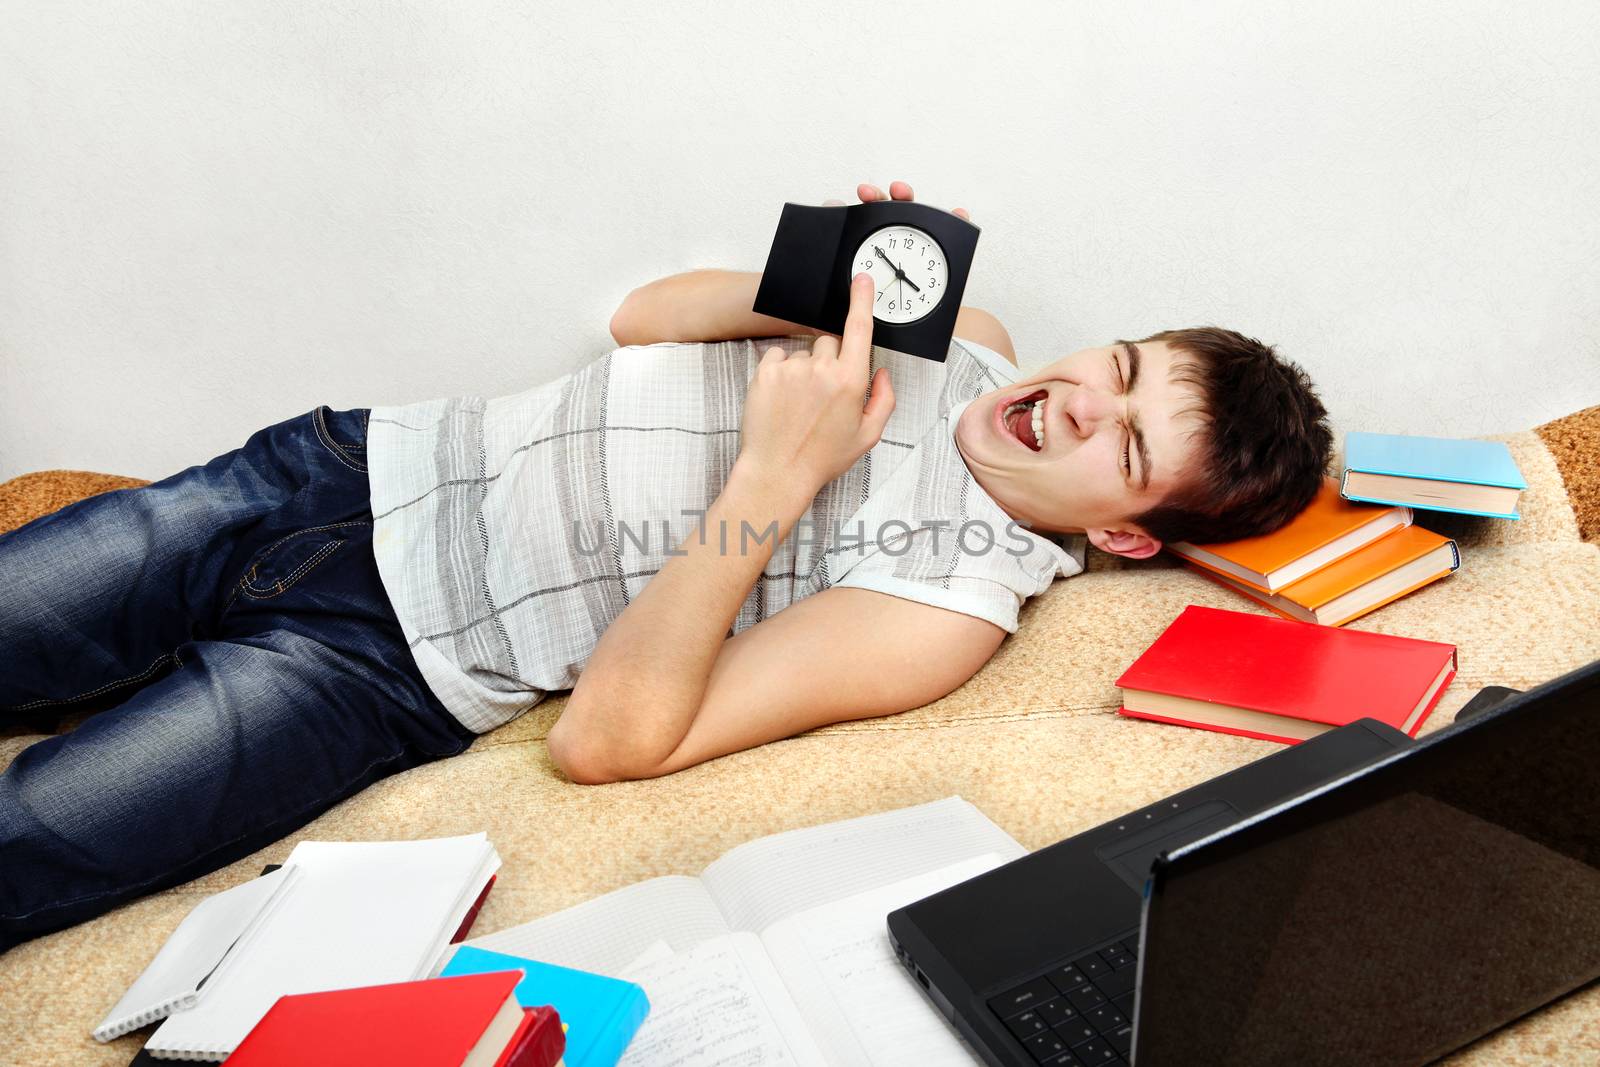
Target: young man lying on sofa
[(713, 542)]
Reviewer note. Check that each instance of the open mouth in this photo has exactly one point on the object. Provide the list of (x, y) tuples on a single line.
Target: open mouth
[(1024, 419)]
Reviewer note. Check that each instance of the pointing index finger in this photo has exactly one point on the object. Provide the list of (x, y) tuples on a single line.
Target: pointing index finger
[(857, 340)]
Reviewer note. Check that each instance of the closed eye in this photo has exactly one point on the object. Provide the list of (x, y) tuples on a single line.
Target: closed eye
[(1122, 387)]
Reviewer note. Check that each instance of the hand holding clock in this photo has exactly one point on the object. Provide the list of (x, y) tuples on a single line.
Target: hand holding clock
[(901, 308), (803, 419), (919, 258), (897, 191)]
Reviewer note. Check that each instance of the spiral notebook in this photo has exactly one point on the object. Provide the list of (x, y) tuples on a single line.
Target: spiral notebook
[(176, 978), (338, 914)]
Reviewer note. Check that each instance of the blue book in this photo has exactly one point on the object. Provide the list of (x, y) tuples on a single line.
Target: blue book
[(601, 1014), (1434, 473)]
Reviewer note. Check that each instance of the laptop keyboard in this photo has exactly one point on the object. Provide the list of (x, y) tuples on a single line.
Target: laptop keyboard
[(1077, 1014)]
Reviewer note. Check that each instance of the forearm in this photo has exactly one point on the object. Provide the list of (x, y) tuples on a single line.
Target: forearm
[(699, 305), (646, 678)]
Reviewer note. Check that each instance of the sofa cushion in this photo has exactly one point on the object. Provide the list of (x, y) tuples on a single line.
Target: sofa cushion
[(1033, 740)]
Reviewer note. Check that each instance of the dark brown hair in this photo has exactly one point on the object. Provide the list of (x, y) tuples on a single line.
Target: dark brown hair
[(1265, 440)]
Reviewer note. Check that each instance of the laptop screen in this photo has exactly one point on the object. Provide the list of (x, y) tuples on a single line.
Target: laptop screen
[(1396, 915)]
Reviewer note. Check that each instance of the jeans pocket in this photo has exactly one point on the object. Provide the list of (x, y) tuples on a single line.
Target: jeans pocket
[(344, 434), (276, 568)]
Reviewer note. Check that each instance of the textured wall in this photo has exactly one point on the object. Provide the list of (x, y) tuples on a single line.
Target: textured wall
[(217, 215)]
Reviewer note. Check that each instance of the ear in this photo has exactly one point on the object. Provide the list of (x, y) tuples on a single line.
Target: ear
[(1127, 543)]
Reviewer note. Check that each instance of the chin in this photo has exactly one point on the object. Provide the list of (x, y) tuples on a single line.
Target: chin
[(1054, 526)]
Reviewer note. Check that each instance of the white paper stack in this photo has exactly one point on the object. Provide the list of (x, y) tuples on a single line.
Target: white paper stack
[(341, 914)]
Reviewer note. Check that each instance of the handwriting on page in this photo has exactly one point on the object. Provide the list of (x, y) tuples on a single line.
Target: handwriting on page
[(890, 1017), (705, 1011), (849, 946)]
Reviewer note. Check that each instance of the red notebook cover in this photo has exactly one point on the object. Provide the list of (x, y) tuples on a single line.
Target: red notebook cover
[(538, 1042), (427, 1023), (1297, 670)]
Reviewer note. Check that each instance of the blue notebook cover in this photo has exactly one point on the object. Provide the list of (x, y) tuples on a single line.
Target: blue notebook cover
[(601, 1014), (1444, 459)]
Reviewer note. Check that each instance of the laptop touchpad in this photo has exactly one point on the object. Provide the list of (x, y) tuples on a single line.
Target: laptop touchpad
[(1130, 855)]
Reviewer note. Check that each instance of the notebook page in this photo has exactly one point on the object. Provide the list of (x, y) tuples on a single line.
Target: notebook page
[(719, 1004), (471, 891), (860, 1003), (605, 934), (359, 913), (657, 952), (758, 883)]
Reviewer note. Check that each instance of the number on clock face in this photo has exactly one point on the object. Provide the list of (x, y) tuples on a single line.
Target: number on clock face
[(908, 271)]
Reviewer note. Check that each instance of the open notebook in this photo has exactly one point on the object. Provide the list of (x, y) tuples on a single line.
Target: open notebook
[(338, 914), (778, 953)]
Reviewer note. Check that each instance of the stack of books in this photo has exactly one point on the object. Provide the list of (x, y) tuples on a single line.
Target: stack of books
[(1333, 563), (326, 960), (600, 1014), (1435, 473), (470, 1021), (776, 953), (336, 915)]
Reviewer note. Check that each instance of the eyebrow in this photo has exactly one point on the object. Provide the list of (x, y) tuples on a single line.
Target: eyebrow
[(1134, 359)]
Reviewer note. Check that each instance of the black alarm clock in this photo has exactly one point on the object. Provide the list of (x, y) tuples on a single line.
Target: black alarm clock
[(919, 258)]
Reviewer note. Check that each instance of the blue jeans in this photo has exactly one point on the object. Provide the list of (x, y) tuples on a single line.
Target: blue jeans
[(229, 629)]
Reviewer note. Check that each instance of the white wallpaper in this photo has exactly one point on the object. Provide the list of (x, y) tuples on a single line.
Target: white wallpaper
[(217, 215)]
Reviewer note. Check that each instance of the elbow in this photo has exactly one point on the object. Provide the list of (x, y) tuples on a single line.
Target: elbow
[(580, 773), (619, 326), (588, 759), (577, 756), (624, 325)]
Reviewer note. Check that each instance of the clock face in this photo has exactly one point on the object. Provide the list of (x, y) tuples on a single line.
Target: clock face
[(908, 271)]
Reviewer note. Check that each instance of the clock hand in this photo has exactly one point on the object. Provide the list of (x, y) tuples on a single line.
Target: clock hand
[(898, 273)]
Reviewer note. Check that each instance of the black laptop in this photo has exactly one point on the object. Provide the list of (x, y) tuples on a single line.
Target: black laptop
[(1359, 898)]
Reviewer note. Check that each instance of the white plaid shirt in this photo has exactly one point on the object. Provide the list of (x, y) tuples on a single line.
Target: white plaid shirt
[(511, 532)]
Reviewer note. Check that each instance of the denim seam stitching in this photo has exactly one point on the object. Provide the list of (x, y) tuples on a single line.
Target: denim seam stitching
[(44, 702), (309, 529), (256, 592), (270, 549), (333, 446)]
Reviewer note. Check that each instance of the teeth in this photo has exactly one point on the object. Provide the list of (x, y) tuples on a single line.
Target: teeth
[(1037, 417)]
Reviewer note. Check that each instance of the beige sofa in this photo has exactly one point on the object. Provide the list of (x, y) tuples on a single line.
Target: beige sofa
[(1033, 740)]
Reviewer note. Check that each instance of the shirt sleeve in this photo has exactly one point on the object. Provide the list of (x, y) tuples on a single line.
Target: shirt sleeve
[(983, 598)]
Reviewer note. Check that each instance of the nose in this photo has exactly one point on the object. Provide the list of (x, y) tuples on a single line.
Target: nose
[(1086, 408)]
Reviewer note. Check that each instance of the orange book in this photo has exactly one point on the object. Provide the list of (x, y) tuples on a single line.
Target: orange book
[(1328, 529), (1400, 562)]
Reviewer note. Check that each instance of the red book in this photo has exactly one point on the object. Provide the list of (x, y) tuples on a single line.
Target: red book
[(538, 1042), (470, 1021), (1281, 680)]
